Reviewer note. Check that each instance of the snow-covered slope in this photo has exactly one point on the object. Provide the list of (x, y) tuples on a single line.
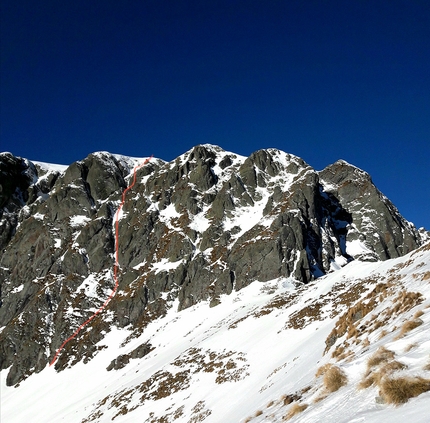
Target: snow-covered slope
[(255, 356)]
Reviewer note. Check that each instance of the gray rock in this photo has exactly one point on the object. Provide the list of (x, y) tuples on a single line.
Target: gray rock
[(122, 360), (201, 226), (375, 220)]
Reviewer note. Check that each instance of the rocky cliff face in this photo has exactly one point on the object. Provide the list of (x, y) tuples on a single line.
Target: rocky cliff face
[(377, 224), (205, 224)]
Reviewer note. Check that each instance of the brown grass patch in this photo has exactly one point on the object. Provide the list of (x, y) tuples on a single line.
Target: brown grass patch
[(419, 313), (348, 322), (352, 332), (305, 389), (405, 301), (379, 321), (304, 317), (375, 377), (383, 334), (320, 397), (408, 326), (297, 396), (425, 276), (382, 355), (351, 294), (399, 390), (339, 351), (321, 370), (393, 366), (290, 398), (333, 377), (383, 359), (370, 380), (229, 366), (295, 409), (410, 347)]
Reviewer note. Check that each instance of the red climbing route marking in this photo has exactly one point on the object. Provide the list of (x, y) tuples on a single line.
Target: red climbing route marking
[(116, 265)]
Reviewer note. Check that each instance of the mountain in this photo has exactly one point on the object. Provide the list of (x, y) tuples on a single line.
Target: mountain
[(234, 272)]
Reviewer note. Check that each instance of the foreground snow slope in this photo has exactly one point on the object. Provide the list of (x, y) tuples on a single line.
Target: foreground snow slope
[(254, 357)]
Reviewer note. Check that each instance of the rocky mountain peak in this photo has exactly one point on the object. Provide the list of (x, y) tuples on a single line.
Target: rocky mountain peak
[(378, 228), (341, 172), (203, 225), (17, 174)]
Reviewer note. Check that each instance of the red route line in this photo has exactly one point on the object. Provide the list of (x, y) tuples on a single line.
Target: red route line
[(116, 265)]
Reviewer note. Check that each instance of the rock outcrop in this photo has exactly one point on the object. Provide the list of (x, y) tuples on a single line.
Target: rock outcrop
[(193, 229), (376, 222)]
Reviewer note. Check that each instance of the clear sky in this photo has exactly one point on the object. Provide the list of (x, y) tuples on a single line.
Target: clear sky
[(320, 79)]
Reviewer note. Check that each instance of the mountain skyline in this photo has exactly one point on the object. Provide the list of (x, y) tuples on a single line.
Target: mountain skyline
[(321, 80), (137, 160)]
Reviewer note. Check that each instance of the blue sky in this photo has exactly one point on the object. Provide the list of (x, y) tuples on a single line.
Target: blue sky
[(320, 79)]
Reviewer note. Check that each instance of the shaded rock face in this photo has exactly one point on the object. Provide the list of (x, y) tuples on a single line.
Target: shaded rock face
[(193, 229), (16, 178), (376, 222)]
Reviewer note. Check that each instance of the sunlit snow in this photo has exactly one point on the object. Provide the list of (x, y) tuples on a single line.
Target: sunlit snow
[(266, 358), (79, 220)]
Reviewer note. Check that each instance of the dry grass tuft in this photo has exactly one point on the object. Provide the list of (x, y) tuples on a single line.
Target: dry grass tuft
[(393, 366), (382, 355), (320, 397), (290, 398), (409, 326), (370, 380), (321, 370), (375, 377), (348, 356), (383, 361), (296, 408), (383, 334), (399, 390), (352, 323), (405, 301), (341, 353), (426, 276), (339, 350), (419, 313), (333, 377), (305, 389), (411, 347)]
